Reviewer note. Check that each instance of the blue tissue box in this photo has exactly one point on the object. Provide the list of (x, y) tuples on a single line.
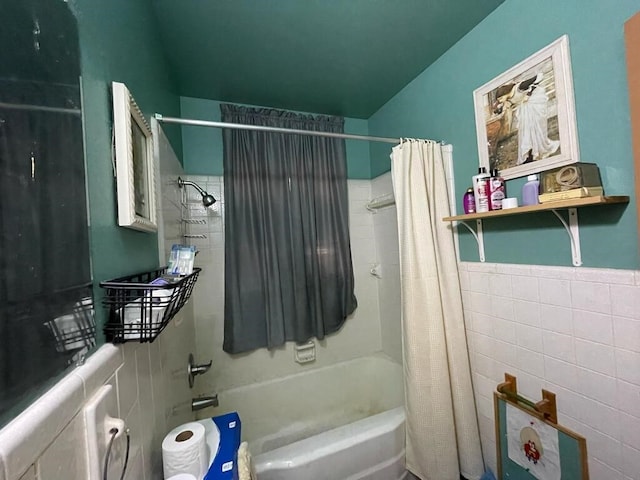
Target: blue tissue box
[(224, 463)]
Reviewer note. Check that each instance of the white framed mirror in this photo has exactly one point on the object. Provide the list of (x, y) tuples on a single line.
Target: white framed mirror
[(135, 174)]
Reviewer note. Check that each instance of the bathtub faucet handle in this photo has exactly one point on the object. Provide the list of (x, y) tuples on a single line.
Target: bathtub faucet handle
[(203, 368), (193, 369)]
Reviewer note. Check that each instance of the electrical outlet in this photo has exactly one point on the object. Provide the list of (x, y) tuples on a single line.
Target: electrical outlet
[(100, 416)]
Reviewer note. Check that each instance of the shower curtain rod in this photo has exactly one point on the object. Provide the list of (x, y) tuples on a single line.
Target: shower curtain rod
[(240, 126)]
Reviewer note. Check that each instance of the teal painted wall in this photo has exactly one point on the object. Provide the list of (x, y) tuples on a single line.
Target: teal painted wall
[(119, 42), (438, 104), (202, 146)]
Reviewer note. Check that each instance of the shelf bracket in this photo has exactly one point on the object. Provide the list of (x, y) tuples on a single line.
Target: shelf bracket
[(573, 230), (477, 234)]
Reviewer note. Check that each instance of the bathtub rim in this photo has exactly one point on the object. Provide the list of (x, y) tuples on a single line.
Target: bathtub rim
[(304, 451), (251, 386)]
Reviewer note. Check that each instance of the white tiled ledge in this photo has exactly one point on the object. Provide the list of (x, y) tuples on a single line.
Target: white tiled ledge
[(585, 274), (27, 436)]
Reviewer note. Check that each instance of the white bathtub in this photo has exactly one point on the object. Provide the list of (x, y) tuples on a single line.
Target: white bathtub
[(367, 449), (345, 421)]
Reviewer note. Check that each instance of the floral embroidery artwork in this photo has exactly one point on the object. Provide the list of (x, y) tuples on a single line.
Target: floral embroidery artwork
[(533, 445)]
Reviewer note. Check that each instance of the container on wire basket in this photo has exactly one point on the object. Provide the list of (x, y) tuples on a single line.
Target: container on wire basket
[(141, 305)]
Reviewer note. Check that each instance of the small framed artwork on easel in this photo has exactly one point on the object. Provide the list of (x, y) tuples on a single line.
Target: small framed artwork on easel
[(530, 443)]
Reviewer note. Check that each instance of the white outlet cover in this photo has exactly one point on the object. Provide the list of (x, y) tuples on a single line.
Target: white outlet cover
[(96, 411)]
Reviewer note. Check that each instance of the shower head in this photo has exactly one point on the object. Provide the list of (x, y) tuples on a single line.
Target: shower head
[(207, 199)]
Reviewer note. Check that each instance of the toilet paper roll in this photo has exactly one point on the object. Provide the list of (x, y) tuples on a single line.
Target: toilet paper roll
[(183, 476), (184, 450)]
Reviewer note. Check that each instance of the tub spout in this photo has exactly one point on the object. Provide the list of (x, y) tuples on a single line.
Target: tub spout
[(204, 402)]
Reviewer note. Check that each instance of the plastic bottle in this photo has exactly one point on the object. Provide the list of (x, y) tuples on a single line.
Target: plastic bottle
[(469, 201), (530, 191), (497, 190), (480, 184)]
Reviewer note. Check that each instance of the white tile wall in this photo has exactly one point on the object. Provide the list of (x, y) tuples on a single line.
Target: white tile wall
[(29, 474), (385, 228), (37, 426), (50, 465), (170, 228), (360, 336), (577, 333)]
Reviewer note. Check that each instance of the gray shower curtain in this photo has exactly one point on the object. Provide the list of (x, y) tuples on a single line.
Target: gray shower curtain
[(288, 270)]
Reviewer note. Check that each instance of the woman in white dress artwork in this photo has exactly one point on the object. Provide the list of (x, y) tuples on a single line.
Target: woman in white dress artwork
[(529, 99)]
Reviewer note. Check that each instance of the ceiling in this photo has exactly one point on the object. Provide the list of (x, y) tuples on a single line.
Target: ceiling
[(340, 57)]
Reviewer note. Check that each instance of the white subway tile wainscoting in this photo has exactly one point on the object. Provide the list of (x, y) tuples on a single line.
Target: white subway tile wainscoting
[(577, 334)]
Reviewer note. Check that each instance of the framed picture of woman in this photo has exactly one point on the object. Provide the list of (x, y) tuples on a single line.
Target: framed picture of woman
[(525, 117)]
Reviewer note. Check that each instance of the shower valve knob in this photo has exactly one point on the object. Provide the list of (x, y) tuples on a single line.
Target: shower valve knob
[(199, 369), (193, 369)]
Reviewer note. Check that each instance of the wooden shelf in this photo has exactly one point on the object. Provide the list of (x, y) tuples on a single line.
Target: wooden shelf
[(570, 223), (557, 205)]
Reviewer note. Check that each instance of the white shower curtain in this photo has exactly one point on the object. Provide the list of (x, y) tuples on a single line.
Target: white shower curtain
[(442, 430)]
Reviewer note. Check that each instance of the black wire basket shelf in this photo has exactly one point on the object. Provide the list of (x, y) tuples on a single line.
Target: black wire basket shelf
[(142, 305)]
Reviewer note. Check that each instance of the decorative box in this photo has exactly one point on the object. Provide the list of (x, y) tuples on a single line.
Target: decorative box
[(576, 175)]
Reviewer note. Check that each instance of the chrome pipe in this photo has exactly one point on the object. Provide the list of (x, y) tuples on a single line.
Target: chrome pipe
[(204, 402), (261, 128)]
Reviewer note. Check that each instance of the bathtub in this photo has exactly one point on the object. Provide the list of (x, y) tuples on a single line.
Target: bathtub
[(344, 421), (371, 449)]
